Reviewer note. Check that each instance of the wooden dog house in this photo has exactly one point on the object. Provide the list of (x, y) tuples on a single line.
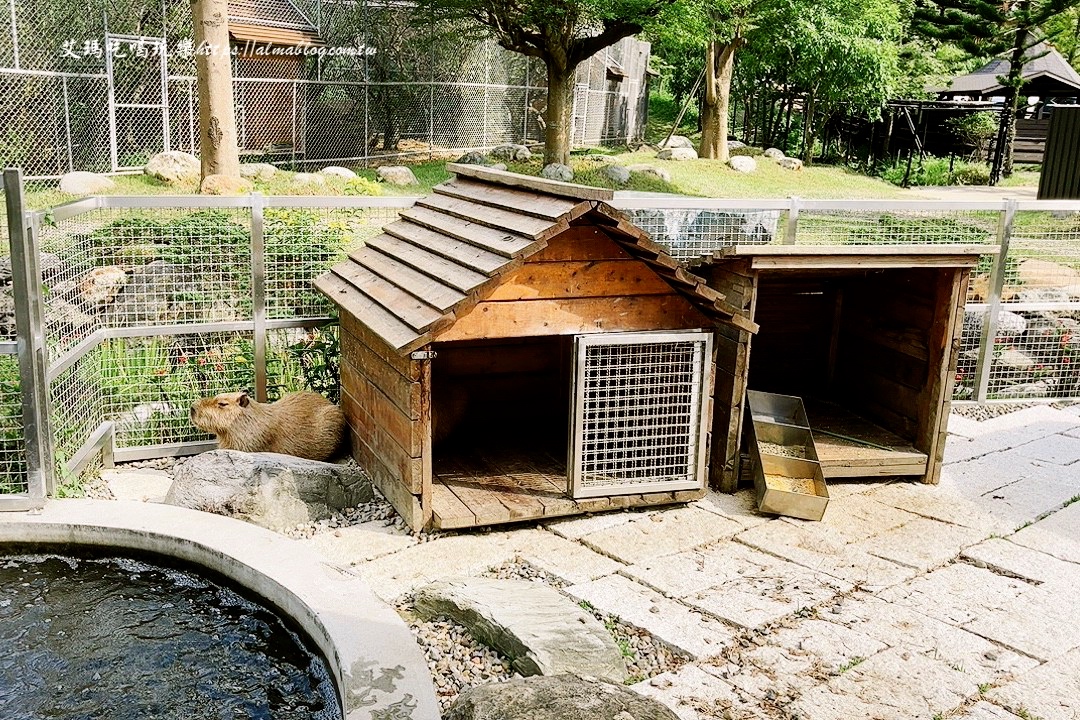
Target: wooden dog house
[(514, 348), (868, 336)]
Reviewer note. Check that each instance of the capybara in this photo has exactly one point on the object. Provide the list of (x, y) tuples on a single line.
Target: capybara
[(304, 424)]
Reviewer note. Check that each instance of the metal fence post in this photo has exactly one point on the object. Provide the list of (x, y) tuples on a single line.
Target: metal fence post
[(26, 287), (792, 226), (997, 283), (258, 294)]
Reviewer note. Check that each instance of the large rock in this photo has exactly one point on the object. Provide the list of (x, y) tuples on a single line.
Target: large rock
[(735, 145), (562, 697), (338, 171), (616, 174), (267, 489), (303, 179), (677, 141), (774, 153), (100, 285), (646, 169), (225, 185), (262, 172), (537, 627), (173, 167), (557, 171), (511, 153), (473, 158), (1010, 324), (679, 153), (396, 175), (742, 163), (707, 229), (789, 163), (85, 183), (1046, 273)]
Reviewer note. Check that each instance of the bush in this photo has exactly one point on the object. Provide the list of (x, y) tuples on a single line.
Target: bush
[(747, 151), (935, 171), (975, 128)]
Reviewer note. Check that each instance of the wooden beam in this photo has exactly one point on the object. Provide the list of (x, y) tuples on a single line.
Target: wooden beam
[(531, 182), (545, 207), (606, 278)]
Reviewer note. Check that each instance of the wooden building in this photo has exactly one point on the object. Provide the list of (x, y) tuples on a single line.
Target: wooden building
[(513, 348), (868, 336)]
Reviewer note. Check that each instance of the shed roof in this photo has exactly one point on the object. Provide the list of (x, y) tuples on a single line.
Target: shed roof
[(276, 22), (1048, 68), (452, 249)]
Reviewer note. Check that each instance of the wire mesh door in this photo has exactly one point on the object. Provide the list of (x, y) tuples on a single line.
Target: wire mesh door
[(639, 412), (135, 68)]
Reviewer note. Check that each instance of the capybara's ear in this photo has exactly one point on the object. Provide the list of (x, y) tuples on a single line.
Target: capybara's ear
[(244, 400)]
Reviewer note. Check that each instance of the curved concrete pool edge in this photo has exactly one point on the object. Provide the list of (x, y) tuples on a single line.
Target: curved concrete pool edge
[(380, 672)]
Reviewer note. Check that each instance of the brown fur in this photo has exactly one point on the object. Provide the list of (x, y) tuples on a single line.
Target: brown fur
[(304, 424)]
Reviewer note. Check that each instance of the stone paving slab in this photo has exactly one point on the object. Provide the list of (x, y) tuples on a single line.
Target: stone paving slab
[(983, 710), (956, 594), (724, 565), (941, 502), (358, 543), (922, 544), (1007, 556), (1028, 500), (578, 527), (794, 659), (1040, 622), (694, 694), (1050, 691), (1057, 535), (856, 517), (402, 572), (740, 506), (907, 629), (824, 549), (1010, 431), (663, 533), (893, 685), (1058, 449), (675, 624), (569, 561)]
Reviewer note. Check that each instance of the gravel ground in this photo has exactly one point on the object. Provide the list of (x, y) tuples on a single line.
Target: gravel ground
[(457, 661), (980, 413)]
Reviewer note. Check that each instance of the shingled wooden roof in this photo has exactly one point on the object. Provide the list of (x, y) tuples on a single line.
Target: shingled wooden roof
[(452, 248)]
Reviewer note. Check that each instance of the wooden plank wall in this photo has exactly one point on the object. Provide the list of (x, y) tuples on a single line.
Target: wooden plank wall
[(582, 282), (384, 397), (738, 282), (893, 331)]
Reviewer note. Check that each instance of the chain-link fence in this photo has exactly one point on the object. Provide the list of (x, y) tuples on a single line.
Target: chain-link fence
[(102, 86)]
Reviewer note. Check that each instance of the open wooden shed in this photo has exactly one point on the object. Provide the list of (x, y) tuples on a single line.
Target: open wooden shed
[(867, 336), (514, 348)]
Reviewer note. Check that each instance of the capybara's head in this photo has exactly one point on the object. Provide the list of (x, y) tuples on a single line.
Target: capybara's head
[(217, 414)]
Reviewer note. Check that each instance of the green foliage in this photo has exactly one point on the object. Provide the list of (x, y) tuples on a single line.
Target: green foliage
[(318, 357), (362, 186), (974, 128), (934, 171), (748, 151)]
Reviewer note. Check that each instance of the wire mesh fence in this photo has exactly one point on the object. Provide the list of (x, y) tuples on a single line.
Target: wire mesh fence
[(1032, 347), (99, 87), (151, 303)]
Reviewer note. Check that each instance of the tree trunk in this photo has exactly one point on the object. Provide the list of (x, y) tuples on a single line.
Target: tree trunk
[(1002, 165), (217, 120), (808, 129), (557, 143), (719, 67)]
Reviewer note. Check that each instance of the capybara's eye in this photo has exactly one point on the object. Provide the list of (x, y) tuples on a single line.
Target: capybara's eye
[(223, 404)]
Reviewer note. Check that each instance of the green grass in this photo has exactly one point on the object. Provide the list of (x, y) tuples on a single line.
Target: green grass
[(854, 662), (662, 113), (703, 178)]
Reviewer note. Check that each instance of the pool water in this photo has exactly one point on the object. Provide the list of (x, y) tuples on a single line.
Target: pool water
[(123, 639)]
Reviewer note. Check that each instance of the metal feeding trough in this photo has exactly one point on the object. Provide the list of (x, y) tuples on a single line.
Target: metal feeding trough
[(787, 475)]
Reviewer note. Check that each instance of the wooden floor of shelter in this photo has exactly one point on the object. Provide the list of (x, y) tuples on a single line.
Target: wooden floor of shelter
[(846, 458), (509, 486)]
